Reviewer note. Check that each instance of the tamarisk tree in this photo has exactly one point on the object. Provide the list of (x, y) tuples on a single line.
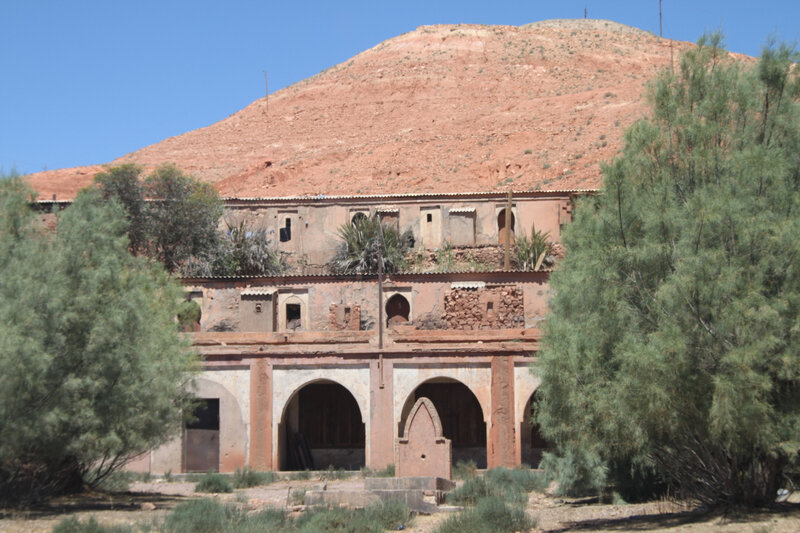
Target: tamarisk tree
[(92, 368), (673, 345)]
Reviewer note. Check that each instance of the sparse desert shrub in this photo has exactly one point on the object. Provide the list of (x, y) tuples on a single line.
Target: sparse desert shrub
[(389, 471), (247, 477), (73, 525), (490, 515), (465, 470), (213, 483), (202, 516), (298, 496)]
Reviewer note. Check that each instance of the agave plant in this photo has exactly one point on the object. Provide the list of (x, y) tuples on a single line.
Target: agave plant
[(358, 251), (535, 251)]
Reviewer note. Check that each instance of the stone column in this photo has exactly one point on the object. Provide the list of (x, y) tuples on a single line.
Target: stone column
[(261, 415), (382, 427), (501, 446)]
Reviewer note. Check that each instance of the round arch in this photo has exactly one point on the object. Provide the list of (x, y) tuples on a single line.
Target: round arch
[(233, 437), (532, 443), (463, 417), (321, 426)]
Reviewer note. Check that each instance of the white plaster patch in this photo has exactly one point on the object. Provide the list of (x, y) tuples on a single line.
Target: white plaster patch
[(525, 384)]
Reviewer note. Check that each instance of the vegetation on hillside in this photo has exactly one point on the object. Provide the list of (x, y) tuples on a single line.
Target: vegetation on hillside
[(670, 354)]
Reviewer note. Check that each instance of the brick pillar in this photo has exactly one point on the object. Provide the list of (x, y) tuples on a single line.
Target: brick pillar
[(382, 433), (501, 446), (261, 415)]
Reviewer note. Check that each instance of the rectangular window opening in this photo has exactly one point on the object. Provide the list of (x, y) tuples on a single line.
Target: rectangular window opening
[(286, 231), (430, 217), (293, 316), (490, 306), (205, 415)]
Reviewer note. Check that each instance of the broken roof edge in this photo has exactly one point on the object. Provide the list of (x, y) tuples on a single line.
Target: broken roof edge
[(232, 200), (363, 277)]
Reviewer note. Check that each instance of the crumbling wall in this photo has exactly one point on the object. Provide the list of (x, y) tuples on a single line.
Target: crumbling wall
[(345, 317), (484, 308)]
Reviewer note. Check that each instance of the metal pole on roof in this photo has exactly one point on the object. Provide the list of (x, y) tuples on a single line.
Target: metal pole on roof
[(660, 27), (380, 285)]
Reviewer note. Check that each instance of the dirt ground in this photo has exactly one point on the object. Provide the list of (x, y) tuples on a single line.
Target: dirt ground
[(553, 514)]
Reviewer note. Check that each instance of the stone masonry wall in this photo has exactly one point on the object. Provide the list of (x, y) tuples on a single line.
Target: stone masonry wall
[(345, 317), (486, 308)]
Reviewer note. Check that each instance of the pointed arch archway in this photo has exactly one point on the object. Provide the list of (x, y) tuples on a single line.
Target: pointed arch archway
[(461, 415)]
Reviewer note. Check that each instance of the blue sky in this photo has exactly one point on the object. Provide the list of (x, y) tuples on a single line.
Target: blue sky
[(84, 82)]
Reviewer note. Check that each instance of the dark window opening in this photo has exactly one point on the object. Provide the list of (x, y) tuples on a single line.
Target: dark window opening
[(293, 316), (397, 310), (429, 217), (205, 415), (490, 306), (286, 231), (503, 227), (358, 217)]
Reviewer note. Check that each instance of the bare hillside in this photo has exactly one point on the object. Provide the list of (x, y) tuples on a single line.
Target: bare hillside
[(441, 108)]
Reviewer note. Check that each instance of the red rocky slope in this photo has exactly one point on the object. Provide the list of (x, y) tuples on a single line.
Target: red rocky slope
[(441, 108)]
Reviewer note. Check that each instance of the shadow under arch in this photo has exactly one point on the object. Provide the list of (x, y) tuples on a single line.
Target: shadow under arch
[(460, 413), (532, 443), (321, 426)]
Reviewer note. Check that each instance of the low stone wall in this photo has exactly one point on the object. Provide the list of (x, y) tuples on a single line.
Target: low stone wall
[(486, 308)]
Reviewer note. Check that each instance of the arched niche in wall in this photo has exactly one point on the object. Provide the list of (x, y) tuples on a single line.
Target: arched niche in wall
[(505, 224), (293, 310), (397, 305)]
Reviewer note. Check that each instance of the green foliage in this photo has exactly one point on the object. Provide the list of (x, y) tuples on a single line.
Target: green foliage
[(214, 483), (360, 247), (207, 515), (578, 473), (189, 314), (389, 471), (94, 371), (672, 342), (182, 216), (511, 486), (73, 525), (172, 217), (124, 183), (298, 496), (535, 251), (203, 516), (247, 477), (465, 470), (375, 518), (490, 515)]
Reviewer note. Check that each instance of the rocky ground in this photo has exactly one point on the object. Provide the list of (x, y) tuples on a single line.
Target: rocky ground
[(148, 503)]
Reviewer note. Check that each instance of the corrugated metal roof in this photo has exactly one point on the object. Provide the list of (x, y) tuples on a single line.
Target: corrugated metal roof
[(259, 291), (351, 277), (468, 285)]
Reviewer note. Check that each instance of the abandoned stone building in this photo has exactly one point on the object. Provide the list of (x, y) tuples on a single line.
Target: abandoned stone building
[(311, 370)]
